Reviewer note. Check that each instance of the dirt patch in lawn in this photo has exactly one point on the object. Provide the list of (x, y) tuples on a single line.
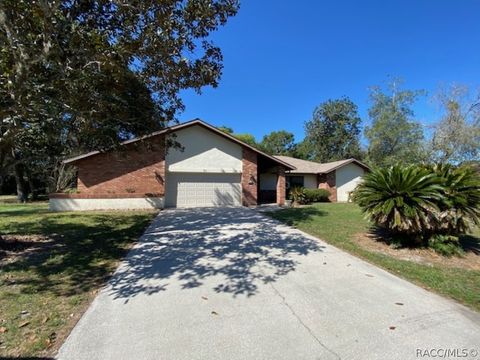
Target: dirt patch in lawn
[(13, 247), (375, 243)]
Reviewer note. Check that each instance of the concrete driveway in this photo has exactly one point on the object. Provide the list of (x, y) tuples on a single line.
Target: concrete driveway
[(234, 284)]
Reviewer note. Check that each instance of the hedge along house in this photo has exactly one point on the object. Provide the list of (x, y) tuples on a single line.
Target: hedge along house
[(211, 168), (339, 177)]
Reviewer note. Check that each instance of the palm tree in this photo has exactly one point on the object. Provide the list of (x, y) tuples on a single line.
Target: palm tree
[(460, 208), (401, 199)]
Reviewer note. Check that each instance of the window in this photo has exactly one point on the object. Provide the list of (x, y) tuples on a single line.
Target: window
[(294, 181)]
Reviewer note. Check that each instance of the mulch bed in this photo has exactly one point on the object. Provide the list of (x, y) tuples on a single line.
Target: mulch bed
[(373, 242)]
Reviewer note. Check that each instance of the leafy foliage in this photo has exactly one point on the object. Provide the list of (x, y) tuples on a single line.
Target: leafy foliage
[(456, 136), (394, 136), (316, 195), (247, 138), (446, 245), (421, 201), (301, 195), (334, 132), (297, 194), (400, 199), (226, 129), (279, 143), (459, 209)]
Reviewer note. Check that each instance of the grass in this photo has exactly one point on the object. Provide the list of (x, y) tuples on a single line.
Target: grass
[(12, 199), (337, 224), (53, 282)]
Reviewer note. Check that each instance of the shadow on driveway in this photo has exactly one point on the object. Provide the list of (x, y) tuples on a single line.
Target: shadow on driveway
[(237, 248)]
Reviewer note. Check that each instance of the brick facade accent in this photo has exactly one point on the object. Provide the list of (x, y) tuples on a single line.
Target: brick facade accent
[(249, 177), (281, 191), (138, 170), (328, 182)]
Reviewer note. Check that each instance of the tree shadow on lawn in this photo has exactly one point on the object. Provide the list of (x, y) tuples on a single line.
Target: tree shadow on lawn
[(293, 216), (79, 256), (228, 250)]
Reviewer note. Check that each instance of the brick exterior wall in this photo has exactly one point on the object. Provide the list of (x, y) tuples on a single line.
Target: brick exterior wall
[(138, 170), (328, 182), (249, 177), (281, 191)]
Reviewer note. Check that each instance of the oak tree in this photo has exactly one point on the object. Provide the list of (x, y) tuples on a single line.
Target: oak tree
[(333, 133)]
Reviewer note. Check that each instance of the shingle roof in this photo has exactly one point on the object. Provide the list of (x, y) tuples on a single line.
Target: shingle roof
[(311, 167)]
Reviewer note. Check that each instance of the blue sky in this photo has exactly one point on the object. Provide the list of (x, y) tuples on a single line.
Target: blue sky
[(283, 58)]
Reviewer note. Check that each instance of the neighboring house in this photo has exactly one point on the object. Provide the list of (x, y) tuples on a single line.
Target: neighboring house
[(212, 169), (339, 177)]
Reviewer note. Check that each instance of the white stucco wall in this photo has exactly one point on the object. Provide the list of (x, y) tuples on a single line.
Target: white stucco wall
[(204, 151), (347, 178), (268, 181), (105, 204)]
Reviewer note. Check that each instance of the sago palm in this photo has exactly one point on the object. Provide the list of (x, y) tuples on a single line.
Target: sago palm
[(460, 208), (401, 199)]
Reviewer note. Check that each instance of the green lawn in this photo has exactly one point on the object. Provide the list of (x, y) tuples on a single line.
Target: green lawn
[(52, 283), (338, 223)]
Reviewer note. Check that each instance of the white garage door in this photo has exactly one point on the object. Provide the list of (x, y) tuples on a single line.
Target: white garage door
[(195, 190)]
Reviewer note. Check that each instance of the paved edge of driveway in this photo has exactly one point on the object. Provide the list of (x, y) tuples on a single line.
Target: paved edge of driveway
[(386, 272)]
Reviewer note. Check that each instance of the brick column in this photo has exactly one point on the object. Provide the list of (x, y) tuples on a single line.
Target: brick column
[(249, 178), (281, 186), (328, 182)]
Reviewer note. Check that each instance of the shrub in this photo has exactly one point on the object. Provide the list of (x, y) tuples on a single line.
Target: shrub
[(431, 204), (459, 209), (446, 245), (316, 195), (297, 194), (400, 199), (71, 191)]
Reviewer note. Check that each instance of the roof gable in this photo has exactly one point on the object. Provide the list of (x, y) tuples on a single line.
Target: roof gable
[(311, 167), (182, 126)]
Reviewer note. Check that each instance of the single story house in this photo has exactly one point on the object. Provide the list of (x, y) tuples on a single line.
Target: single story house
[(339, 177), (210, 168)]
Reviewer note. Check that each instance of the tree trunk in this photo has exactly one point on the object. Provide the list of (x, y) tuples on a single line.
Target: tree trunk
[(31, 184), (3, 169), (2, 243), (22, 191)]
